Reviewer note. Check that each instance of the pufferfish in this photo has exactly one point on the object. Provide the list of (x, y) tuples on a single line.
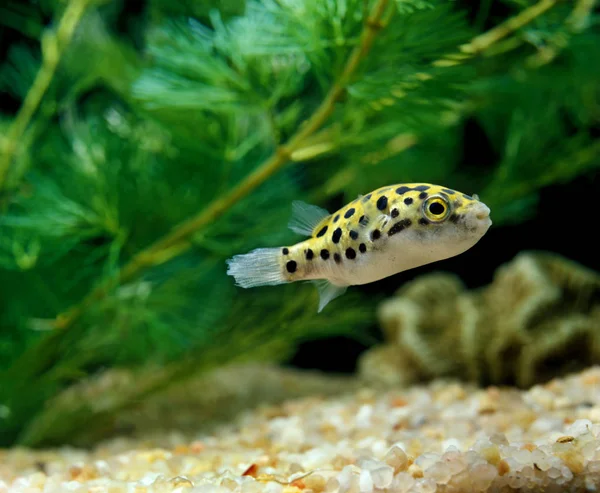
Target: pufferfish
[(390, 230)]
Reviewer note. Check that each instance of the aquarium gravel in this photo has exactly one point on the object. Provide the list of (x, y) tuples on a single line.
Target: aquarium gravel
[(444, 436)]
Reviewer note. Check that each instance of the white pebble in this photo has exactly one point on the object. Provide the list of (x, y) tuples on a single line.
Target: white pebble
[(315, 457), (345, 478), (369, 463), (554, 472), (379, 447), (439, 472), (382, 476), (273, 488), (498, 439), (450, 444), (425, 461), (544, 425), (522, 456), (209, 488), (397, 458), (594, 415), (594, 466), (482, 476), (332, 485), (149, 478), (402, 483), (363, 417), (365, 482), (515, 481), (590, 448), (566, 474), (579, 427), (457, 465), (425, 486), (292, 437), (251, 487)]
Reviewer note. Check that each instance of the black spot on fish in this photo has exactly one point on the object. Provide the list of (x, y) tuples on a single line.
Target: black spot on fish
[(367, 198), (291, 266), (322, 232), (382, 202), (402, 190), (354, 235), (285, 251), (399, 226), (309, 254), (395, 213), (375, 234), (335, 219), (421, 188), (423, 195), (408, 200), (324, 254), (396, 228), (423, 221), (448, 191), (454, 218), (363, 221), (337, 258), (349, 213), (337, 234), (362, 247), (350, 253)]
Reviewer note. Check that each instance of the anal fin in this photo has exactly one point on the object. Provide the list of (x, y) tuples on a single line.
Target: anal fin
[(327, 292)]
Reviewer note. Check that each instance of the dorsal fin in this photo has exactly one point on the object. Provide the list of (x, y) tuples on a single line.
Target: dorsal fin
[(305, 217), (327, 292)]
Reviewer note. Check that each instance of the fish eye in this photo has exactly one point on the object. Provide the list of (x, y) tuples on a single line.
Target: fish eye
[(436, 208)]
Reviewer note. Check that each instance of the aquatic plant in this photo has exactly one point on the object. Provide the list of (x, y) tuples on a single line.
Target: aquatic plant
[(142, 149), (537, 320)]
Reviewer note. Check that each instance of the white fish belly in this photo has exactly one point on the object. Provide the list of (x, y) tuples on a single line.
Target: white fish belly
[(379, 265), (394, 256)]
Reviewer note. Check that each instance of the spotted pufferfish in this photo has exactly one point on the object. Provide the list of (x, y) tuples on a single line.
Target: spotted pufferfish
[(390, 230)]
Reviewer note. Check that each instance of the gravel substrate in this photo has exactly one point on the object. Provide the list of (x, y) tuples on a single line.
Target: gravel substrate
[(443, 437)]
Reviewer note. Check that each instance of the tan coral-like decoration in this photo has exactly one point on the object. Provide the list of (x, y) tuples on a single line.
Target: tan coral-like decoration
[(539, 318)]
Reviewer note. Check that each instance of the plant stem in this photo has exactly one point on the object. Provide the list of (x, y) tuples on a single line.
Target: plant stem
[(179, 239), (482, 42), (53, 47), (575, 23)]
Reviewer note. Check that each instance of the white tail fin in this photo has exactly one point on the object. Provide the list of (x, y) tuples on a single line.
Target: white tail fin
[(260, 267)]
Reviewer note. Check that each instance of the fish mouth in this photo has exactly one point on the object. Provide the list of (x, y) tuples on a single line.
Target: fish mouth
[(480, 217), (482, 211)]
